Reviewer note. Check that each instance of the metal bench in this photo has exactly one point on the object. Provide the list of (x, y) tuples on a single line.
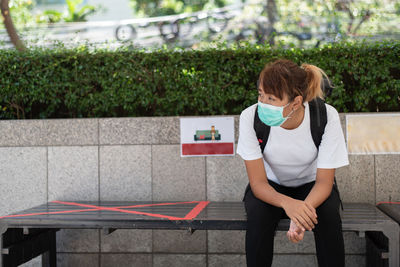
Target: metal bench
[(32, 232), (376, 241)]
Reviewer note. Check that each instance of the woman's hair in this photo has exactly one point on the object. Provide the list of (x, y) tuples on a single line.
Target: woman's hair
[(286, 77)]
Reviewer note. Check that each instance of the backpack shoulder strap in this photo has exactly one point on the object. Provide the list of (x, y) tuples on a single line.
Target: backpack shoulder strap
[(318, 119), (262, 131)]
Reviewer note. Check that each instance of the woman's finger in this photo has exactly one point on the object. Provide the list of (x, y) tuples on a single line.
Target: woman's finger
[(312, 209), (302, 223), (298, 223), (311, 215), (291, 237), (308, 224), (295, 238)]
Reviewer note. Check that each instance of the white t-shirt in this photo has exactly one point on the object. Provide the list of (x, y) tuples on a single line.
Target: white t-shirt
[(290, 156)]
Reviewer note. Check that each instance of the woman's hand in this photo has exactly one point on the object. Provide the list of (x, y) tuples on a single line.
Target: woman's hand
[(301, 213), (295, 233)]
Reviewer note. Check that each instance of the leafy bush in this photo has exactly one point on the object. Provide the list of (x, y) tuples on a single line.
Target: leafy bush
[(60, 83)]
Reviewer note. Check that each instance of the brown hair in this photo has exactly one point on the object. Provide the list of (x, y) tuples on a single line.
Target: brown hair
[(286, 77)]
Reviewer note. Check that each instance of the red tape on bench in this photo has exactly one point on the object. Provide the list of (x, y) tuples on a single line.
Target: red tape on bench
[(190, 216)]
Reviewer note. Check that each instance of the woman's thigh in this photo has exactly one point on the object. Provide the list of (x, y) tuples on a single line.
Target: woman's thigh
[(329, 209), (259, 211)]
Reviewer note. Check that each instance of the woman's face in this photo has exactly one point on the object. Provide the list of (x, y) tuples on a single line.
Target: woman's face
[(271, 99), (275, 101)]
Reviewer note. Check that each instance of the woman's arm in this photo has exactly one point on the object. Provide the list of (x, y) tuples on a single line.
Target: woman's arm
[(318, 194), (301, 212), (322, 187)]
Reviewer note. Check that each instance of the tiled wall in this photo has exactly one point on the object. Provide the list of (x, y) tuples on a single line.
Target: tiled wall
[(139, 159)]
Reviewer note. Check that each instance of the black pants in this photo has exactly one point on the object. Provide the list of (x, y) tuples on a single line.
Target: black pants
[(263, 218)]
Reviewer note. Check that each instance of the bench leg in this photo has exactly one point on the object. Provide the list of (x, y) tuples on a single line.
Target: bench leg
[(1, 249), (2, 231), (394, 250), (49, 258)]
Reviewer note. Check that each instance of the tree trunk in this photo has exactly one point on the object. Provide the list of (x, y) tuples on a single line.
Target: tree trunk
[(271, 12), (12, 32)]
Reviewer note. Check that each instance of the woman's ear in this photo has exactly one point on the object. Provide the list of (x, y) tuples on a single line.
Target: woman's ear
[(297, 102)]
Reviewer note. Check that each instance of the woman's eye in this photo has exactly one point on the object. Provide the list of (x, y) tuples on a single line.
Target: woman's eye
[(271, 99)]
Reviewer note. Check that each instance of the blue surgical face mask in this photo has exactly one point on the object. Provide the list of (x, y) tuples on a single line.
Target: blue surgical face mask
[(272, 115)]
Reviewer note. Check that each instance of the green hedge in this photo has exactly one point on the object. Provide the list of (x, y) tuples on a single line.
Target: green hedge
[(46, 83)]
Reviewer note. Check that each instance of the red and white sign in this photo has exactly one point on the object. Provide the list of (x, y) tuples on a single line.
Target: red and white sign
[(207, 136)]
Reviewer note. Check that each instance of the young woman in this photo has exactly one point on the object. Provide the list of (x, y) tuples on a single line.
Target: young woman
[(292, 177)]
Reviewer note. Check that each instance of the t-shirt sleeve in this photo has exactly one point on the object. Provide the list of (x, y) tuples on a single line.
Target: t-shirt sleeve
[(248, 147), (332, 150)]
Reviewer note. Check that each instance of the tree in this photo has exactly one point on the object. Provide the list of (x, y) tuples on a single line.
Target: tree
[(271, 11), (9, 25)]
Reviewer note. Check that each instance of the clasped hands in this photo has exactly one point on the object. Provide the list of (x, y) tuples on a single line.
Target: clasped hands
[(302, 217)]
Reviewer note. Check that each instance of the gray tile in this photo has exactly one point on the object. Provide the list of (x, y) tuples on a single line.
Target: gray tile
[(176, 178), (353, 244), (356, 181), (78, 240), (73, 173), (126, 260), (127, 131), (35, 262), (115, 131), (226, 178), (125, 173), (355, 261), (22, 178), (294, 260), (283, 245), (167, 130), (49, 132), (179, 260), (387, 178), (22, 133), (71, 132), (127, 240), (179, 241), (72, 260), (228, 260), (226, 241)]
